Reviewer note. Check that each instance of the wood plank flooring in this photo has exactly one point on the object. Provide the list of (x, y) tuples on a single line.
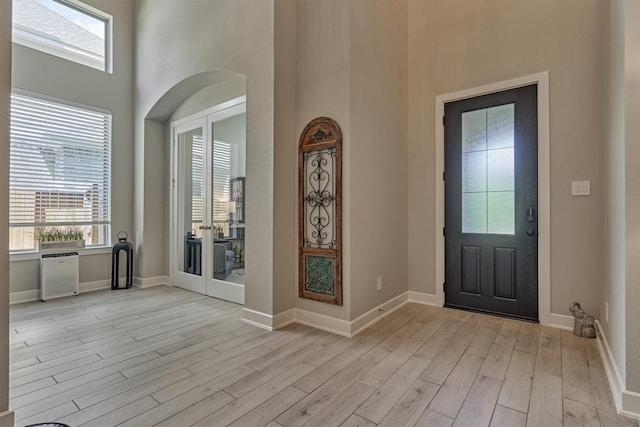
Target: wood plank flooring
[(167, 357)]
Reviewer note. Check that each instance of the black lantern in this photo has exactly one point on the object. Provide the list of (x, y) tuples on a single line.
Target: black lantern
[(127, 247)]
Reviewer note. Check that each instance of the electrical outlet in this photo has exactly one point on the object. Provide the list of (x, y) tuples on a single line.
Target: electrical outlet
[(606, 312), (580, 188), (379, 283)]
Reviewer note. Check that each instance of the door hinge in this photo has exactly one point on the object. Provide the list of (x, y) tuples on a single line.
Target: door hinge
[(443, 175), (442, 120), (443, 232), (443, 286)]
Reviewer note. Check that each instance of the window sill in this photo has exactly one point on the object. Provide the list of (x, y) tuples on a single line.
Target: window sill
[(33, 255)]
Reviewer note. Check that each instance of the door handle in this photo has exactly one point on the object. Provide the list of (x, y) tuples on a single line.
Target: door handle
[(531, 215), (204, 227), (531, 233)]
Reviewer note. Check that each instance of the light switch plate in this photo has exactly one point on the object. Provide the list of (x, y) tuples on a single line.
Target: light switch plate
[(581, 188)]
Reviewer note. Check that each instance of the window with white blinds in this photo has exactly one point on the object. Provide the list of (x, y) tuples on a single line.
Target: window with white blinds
[(60, 170)]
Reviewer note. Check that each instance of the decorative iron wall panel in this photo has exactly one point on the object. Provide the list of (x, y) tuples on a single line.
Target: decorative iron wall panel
[(320, 198), (320, 211)]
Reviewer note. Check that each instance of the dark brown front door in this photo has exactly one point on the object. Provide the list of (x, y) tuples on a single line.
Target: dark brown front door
[(491, 203)]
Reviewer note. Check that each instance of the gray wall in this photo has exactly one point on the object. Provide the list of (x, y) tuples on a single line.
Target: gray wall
[(377, 161), (171, 67), (632, 190), (361, 83), (39, 72), (621, 156), (459, 44), (6, 420), (323, 30), (285, 170), (614, 270)]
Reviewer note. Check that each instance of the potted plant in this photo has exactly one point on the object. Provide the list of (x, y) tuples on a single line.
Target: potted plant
[(218, 231), (56, 238)]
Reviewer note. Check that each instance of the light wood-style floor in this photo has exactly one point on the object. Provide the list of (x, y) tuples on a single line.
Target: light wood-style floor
[(168, 357)]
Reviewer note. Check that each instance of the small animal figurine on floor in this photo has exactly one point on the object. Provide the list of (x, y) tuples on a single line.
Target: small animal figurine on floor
[(584, 325)]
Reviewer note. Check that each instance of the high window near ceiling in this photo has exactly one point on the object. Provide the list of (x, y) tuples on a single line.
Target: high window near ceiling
[(65, 28), (60, 170)]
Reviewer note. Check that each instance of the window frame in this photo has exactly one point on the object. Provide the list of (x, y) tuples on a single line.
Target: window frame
[(107, 238), (25, 38)]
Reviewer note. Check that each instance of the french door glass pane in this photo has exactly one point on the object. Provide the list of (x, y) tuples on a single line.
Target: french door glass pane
[(488, 155), (190, 194), (227, 203)]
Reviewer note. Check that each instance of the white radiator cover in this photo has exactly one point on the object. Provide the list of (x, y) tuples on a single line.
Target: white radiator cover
[(59, 275)]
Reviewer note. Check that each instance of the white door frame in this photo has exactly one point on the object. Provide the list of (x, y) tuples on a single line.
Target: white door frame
[(544, 184), (223, 290)]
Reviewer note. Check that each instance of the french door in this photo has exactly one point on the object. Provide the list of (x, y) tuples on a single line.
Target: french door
[(208, 164), (491, 203)]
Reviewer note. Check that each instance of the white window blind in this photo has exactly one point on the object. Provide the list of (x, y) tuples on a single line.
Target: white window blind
[(60, 170), (197, 182)]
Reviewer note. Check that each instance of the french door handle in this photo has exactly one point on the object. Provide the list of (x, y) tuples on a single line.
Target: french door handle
[(204, 227)]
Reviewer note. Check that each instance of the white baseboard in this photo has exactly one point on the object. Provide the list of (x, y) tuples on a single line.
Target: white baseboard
[(422, 298), (295, 315), (6, 419), (34, 294), (331, 324), (627, 402), (616, 383), (147, 282), (561, 321), (98, 285), (257, 318), (630, 404), (322, 322), (377, 313), (24, 296), (283, 319)]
